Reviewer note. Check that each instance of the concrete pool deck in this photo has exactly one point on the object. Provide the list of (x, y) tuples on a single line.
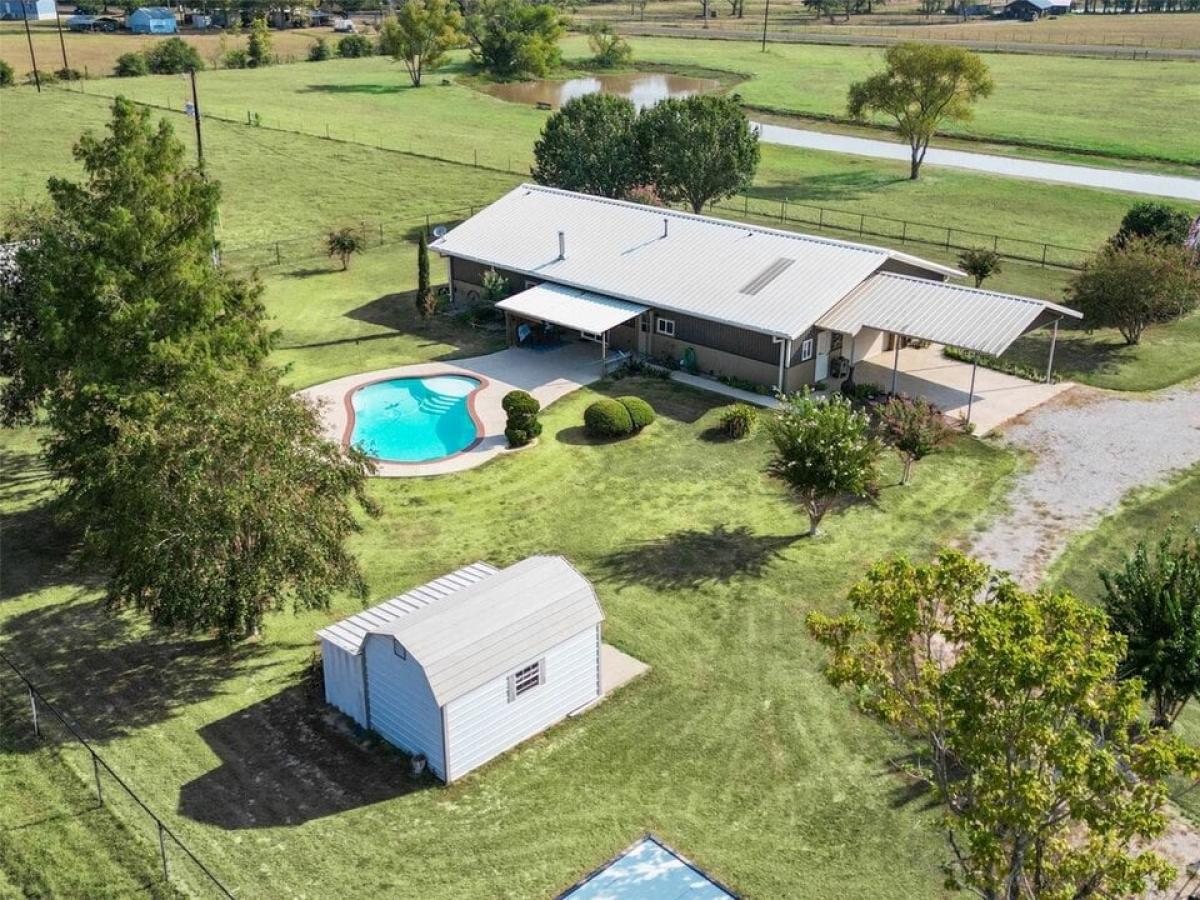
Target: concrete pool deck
[(548, 375)]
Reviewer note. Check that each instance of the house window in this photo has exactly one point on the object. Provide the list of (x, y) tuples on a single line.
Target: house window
[(665, 326), (525, 679), (806, 350), (398, 649), (590, 336)]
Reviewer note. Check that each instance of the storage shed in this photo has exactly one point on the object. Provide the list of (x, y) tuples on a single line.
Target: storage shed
[(471, 664), (27, 9), (152, 20)]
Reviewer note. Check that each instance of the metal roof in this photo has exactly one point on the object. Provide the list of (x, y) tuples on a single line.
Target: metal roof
[(979, 320), (155, 12), (695, 265), (571, 307), (351, 632), (497, 624)]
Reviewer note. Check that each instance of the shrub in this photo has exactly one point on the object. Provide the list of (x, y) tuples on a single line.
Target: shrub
[(237, 58), (914, 427), (344, 243), (131, 65), (6, 75), (173, 57), (45, 77), (258, 47), (640, 412), (608, 418), (522, 425), (355, 46), (1153, 222), (68, 74), (862, 393), (980, 263), (319, 52), (738, 421), (609, 49)]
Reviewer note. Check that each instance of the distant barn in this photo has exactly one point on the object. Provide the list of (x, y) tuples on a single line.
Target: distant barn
[(1030, 10), (152, 20), (471, 664)]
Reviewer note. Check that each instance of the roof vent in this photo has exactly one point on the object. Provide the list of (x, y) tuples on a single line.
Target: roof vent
[(562, 245), (666, 225), (766, 276)]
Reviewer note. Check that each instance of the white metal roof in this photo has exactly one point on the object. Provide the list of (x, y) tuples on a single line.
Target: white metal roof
[(571, 307), (775, 282), (979, 320), (492, 627), (351, 632)]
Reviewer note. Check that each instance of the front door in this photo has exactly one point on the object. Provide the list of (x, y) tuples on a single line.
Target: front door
[(643, 327), (823, 343)]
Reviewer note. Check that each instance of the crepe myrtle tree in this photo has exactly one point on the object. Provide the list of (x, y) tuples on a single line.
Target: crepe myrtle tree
[(1049, 784), (915, 428), (922, 86), (824, 451)]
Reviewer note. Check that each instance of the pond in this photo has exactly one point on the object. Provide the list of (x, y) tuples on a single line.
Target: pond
[(643, 88)]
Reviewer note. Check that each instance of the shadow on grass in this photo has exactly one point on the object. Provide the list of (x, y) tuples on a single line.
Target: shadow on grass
[(394, 311), (827, 188), (911, 787), (374, 89), (691, 558), (1074, 352), (113, 673), (310, 272), (290, 759)]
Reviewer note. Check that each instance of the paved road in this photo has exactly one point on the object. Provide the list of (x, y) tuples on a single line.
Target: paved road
[(1088, 176)]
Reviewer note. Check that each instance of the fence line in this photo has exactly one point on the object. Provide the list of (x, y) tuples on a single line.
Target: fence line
[(38, 704)]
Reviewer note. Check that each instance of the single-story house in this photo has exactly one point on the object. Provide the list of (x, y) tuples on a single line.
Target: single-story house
[(739, 300), (1029, 10), (33, 10), (151, 20), (469, 665)]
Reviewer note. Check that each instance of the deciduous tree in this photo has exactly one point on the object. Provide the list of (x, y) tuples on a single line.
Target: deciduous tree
[(589, 145), (1153, 221), (421, 34), (344, 243), (516, 37), (824, 451), (697, 149), (915, 428), (922, 86), (1049, 785), (980, 263), (258, 48), (609, 49)]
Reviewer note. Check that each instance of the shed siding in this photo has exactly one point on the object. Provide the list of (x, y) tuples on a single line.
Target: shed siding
[(483, 723), (344, 681), (403, 710)]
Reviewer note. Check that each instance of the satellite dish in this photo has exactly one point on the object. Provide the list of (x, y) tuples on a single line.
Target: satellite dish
[(440, 231)]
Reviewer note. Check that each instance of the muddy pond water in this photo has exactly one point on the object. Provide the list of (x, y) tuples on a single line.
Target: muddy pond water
[(643, 88)]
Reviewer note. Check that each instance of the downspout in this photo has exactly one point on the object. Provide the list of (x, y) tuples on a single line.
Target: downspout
[(784, 344)]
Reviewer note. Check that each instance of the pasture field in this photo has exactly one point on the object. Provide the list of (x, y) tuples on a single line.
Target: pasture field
[(1118, 108), (732, 748)]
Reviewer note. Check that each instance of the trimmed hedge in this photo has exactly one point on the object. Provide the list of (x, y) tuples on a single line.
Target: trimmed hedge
[(641, 413), (522, 425), (608, 418)]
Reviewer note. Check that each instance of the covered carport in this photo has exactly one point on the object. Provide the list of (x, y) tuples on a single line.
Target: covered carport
[(592, 315), (974, 320)]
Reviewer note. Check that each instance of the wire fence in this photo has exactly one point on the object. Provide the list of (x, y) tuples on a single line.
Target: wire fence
[(155, 855)]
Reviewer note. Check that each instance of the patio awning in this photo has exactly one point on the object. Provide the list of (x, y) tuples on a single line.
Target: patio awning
[(571, 308), (974, 319)]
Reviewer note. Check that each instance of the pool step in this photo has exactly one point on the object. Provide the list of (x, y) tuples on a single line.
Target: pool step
[(439, 404)]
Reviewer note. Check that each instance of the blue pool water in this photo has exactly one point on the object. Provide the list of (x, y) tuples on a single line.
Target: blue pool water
[(414, 419), (649, 870)]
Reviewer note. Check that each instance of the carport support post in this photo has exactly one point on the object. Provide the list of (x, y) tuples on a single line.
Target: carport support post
[(971, 389), (603, 353), (896, 364), (1053, 341)]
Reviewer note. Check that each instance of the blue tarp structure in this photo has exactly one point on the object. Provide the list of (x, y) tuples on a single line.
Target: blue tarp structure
[(649, 870)]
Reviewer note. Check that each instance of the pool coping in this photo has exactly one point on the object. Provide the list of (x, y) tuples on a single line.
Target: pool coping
[(474, 413)]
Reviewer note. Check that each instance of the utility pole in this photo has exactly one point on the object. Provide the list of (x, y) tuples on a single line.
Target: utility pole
[(766, 15), (196, 116), (37, 79), (61, 43)]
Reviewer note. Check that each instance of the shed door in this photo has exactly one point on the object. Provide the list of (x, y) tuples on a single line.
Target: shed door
[(823, 343)]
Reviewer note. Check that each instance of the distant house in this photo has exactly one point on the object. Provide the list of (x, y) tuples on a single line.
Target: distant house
[(26, 9), (471, 664), (152, 20), (1028, 10)]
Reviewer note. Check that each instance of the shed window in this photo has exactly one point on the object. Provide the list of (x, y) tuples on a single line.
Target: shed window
[(665, 326), (806, 350), (525, 679), (398, 649)]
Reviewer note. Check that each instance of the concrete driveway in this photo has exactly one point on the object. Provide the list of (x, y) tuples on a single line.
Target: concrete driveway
[(926, 373)]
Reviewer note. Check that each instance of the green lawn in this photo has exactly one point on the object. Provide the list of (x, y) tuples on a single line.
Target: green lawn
[(733, 748), (1143, 516)]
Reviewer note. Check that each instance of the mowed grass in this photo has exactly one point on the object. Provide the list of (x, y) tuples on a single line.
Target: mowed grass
[(733, 748), (1143, 517)]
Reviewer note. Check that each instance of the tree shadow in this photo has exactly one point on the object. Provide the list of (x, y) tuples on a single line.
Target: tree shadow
[(310, 272), (374, 89), (112, 670), (912, 788), (289, 759), (1074, 351), (836, 186), (691, 558), (393, 311), (577, 436)]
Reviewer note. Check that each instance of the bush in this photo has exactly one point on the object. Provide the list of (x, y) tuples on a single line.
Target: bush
[(131, 65), (862, 393), (738, 421), (608, 418), (236, 58), (1153, 222), (609, 49), (45, 77), (319, 52), (522, 425), (69, 74), (173, 57), (640, 412), (355, 46), (6, 75)]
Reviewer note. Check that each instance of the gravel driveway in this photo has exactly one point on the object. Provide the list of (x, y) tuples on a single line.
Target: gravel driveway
[(1088, 449)]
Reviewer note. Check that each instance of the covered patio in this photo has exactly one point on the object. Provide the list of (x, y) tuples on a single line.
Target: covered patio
[(887, 311)]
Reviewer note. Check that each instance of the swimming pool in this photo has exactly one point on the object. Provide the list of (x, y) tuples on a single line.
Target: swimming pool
[(414, 419)]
